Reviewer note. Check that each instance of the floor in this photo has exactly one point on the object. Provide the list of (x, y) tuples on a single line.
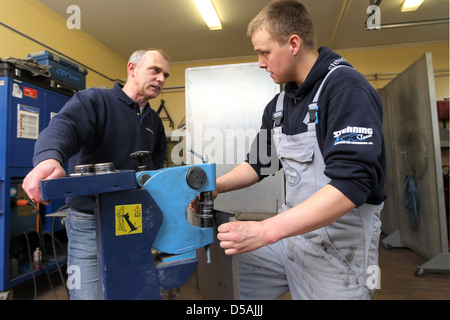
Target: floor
[(398, 282)]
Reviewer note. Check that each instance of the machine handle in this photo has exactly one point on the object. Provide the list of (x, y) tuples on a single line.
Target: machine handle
[(203, 157), (141, 157)]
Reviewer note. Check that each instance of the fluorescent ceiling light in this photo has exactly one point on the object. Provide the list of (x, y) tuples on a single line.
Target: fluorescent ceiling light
[(209, 14), (411, 5)]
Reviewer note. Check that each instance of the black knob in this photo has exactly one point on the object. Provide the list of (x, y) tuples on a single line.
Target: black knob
[(141, 157), (196, 177)]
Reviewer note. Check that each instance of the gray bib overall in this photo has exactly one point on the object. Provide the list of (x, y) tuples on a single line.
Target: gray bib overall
[(334, 262)]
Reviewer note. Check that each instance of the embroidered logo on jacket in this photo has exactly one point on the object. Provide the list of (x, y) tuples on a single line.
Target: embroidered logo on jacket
[(353, 135), (336, 63)]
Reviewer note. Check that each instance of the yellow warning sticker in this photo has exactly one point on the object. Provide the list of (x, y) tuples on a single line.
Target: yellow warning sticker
[(128, 219)]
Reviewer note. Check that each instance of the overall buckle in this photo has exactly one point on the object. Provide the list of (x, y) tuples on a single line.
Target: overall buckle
[(277, 116)]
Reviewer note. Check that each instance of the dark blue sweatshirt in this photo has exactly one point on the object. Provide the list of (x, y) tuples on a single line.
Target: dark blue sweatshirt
[(98, 126), (348, 105)]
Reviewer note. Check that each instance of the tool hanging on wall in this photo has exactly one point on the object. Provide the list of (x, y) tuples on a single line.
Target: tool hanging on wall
[(163, 107)]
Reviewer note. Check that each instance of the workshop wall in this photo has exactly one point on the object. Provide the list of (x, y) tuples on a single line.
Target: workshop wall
[(36, 21), (385, 63)]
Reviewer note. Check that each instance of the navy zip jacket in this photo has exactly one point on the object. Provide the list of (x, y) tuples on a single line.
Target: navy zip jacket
[(348, 106), (98, 126)]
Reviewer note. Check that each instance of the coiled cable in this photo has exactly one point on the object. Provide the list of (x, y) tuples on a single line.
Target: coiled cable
[(411, 201)]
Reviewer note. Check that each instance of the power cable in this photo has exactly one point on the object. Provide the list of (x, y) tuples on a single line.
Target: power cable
[(411, 200), (30, 258)]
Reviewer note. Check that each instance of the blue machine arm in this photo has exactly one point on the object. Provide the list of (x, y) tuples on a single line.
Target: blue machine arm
[(172, 192)]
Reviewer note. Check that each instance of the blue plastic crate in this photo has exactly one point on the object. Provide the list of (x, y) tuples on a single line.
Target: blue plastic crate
[(61, 69)]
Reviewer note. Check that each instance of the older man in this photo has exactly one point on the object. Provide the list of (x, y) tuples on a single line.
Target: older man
[(98, 126)]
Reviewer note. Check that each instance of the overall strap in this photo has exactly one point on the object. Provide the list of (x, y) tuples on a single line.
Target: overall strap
[(278, 114), (313, 107)]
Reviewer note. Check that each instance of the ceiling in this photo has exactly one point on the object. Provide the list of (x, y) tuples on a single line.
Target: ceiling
[(177, 27)]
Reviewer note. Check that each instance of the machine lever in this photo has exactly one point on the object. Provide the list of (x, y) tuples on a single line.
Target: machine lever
[(203, 157), (208, 254), (141, 157)]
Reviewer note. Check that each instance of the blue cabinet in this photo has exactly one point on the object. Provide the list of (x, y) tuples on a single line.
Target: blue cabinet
[(25, 110)]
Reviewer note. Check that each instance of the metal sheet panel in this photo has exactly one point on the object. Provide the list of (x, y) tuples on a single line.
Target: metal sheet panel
[(224, 107), (389, 215), (416, 148)]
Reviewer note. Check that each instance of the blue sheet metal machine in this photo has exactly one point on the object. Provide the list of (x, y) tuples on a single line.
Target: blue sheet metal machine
[(138, 211)]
